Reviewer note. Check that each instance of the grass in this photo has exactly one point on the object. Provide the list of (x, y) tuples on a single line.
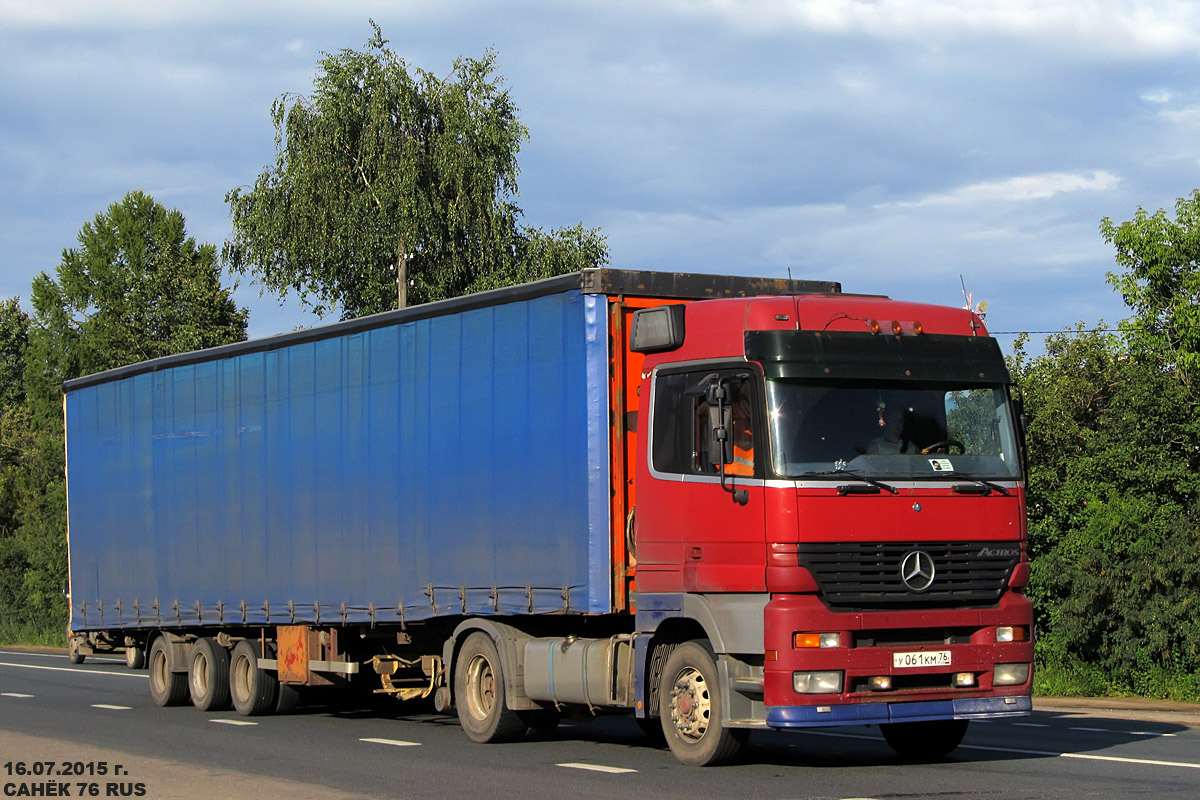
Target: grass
[(1088, 680)]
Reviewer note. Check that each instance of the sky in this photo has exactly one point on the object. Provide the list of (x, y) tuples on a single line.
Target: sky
[(900, 147)]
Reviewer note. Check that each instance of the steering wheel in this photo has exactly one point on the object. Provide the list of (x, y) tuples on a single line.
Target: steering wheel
[(947, 443)]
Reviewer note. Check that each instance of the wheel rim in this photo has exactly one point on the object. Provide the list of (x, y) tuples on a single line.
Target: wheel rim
[(158, 670), (691, 704), (200, 674), (240, 685), (481, 683)]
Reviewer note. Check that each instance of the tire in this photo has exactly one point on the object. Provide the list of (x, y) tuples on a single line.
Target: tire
[(479, 693), (692, 709), (289, 696), (166, 688), (73, 654), (925, 740), (208, 675), (135, 657), (253, 691)]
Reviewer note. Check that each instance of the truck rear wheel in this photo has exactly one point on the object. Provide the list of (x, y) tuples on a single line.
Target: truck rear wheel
[(167, 688), (208, 675), (921, 740), (254, 691), (692, 709), (479, 693)]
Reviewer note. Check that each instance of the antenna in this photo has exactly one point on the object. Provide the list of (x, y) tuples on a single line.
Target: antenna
[(979, 308), (795, 300)]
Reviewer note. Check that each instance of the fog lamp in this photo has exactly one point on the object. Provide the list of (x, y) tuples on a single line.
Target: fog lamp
[(817, 682), (1010, 674), (964, 679), (881, 683)]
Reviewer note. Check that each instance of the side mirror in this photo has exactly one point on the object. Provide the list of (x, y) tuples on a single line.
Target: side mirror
[(719, 420)]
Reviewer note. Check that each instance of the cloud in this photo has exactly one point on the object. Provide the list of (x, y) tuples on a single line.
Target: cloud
[(1157, 96), (1019, 189), (1122, 26)]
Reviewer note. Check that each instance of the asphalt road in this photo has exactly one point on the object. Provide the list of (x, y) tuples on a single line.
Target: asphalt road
[(92, 730)]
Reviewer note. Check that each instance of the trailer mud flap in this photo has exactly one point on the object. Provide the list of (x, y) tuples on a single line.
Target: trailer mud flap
[(294, 646)]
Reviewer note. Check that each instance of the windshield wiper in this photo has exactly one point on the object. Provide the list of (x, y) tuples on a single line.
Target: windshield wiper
[(987, 486), (855, 476)]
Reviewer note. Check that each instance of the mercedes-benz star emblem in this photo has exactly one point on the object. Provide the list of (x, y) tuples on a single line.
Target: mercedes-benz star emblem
[(917, 570)]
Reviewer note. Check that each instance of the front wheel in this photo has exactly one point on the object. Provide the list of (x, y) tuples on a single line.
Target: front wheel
[(479, 693), (692, 709), (925, 740)]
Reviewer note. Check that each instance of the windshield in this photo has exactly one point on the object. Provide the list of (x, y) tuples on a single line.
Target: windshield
[(891, 430)]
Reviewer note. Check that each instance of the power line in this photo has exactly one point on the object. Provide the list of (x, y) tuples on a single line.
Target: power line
[(1065, 330)]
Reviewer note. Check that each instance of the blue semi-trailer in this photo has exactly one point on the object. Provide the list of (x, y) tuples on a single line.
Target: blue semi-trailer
[(440, 501)]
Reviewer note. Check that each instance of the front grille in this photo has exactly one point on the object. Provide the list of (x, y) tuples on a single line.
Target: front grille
[(866, 575)]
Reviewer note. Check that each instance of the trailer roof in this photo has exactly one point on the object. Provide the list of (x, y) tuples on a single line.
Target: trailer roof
[(603, 280)]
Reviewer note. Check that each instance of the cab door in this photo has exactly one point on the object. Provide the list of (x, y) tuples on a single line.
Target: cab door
[(707, 457)]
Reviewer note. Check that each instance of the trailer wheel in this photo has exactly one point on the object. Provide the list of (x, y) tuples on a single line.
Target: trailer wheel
[(135, 657), (925, 740), (254, 691), (208, 675), (479, 693), (73, 654), (166, 688), (692, 709)]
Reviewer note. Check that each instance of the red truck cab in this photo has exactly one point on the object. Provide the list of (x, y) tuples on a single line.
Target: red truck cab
[(875, 546)]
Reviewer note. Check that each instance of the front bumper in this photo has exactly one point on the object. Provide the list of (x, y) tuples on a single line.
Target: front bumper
[(882, 713)]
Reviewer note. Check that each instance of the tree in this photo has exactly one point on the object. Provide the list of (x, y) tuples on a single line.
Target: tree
[(1114, 479), (14, 338), (391, 188), (137, 287), (1161, 281)]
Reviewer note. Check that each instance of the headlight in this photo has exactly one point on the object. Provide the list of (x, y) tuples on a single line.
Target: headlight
[(1010, 674), (817, 682)]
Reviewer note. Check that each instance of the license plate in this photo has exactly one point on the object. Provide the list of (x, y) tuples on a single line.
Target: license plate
[(924, 658)]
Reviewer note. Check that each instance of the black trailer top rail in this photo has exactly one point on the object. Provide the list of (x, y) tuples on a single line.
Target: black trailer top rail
[(603, 280)]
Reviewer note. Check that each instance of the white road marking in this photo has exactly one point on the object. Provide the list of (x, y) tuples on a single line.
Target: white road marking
[(14, 694), (596, 768), (1030, 725), (109, 659), (124, 674), (1087, 756), (1092, 730), (111, 707), (233, 722), (1150, 733), (1051, 753), (392, 742)]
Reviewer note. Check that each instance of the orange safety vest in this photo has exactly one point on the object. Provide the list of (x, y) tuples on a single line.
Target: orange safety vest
[(743, 455)]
